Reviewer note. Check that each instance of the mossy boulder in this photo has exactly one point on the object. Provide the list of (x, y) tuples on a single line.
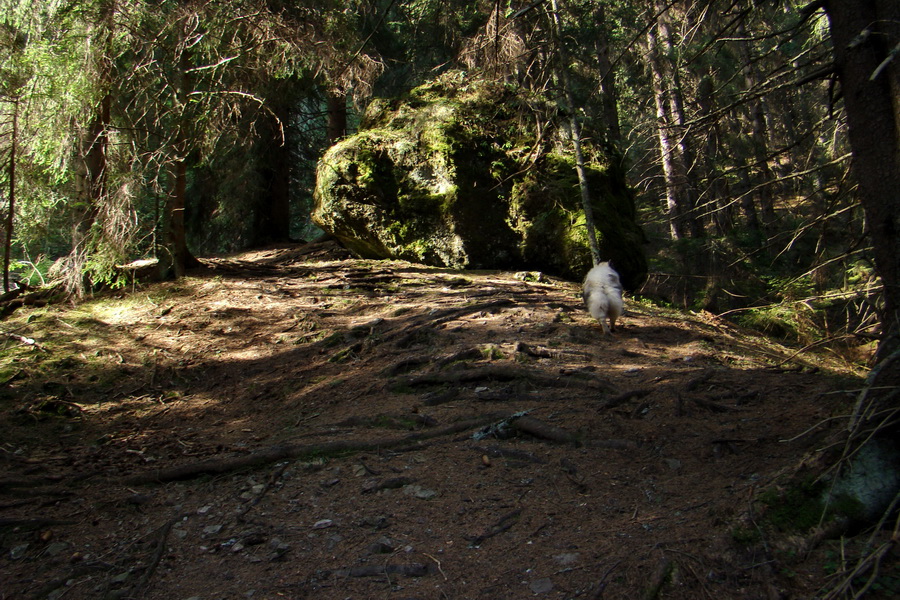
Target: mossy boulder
[(467, 173)]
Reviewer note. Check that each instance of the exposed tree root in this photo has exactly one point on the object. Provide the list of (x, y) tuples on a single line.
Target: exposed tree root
[(159, 549), (660, 577), (541, 429), (294, 451), (411, 330), (505, 523), (623, 398), (407, 570), (505, 373)]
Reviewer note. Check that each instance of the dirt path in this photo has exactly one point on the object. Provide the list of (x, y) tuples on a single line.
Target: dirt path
[(292, 423)]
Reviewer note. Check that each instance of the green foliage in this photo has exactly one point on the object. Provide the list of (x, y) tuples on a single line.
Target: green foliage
[(198, 81), (791, 321)]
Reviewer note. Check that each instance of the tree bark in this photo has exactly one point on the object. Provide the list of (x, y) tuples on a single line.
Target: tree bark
[(11, 207), (759, 131), (91, 172), (177, 258), (337, 116), (272, 218), (176, 238), (575, 130), (866, 39), (609, 96), (685, 158), (719, 202), (667, 148)]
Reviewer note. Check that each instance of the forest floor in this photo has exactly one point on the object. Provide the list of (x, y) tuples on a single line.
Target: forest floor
[(294, 423)]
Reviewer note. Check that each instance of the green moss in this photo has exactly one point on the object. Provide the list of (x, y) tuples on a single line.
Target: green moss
[(444, 176), (799, 507), (492, 352)]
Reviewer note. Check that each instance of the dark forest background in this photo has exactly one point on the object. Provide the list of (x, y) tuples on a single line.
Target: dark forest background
[(175, 129)]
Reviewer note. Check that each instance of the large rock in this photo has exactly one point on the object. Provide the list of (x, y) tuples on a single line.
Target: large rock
[(471, 174)]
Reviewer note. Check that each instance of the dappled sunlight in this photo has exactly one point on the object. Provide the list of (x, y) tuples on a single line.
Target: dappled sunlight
[(363, 383)]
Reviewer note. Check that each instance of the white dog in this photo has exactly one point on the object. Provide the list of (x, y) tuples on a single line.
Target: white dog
[(603, 295)]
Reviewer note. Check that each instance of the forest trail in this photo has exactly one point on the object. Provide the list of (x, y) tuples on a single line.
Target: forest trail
[(294, 423)]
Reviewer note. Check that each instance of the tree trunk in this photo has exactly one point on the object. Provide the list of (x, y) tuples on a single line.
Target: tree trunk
[(609, 97), (91, 172), (337, 116), (759, 132), (575, 130), (7, 243), (91, 175), (176, 238), (870, 82), (685, 159), (176, 257), (719, 203), (667, 147), (272, 218)]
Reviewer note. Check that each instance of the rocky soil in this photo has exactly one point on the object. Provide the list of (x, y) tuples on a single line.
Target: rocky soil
[(294, 423)]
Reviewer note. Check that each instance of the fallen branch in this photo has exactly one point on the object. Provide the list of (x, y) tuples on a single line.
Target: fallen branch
[(256, 500), (601, 585), (24, 340), (294, 451), (160, 548), (536, 351), (38, 298)]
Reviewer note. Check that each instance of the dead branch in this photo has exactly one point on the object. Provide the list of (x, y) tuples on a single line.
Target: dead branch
[(38, 298), (12, 294), (536, 351), (160, 548), (275, 476), (294, 451), (24, 340), (601, 585)]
